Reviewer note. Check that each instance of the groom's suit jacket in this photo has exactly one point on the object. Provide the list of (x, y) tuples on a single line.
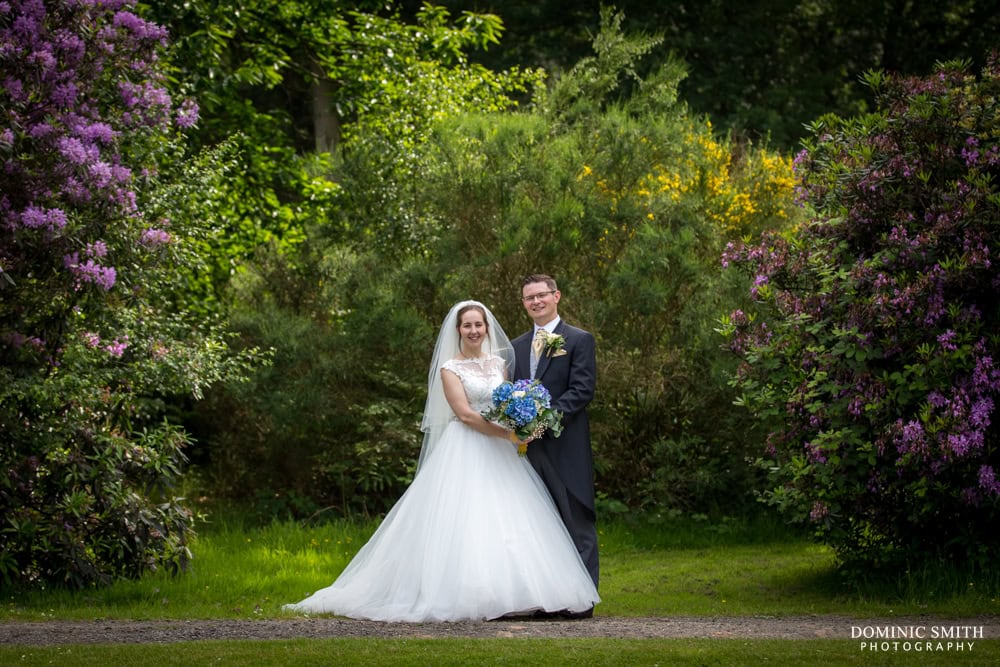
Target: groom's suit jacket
[(570, 379)]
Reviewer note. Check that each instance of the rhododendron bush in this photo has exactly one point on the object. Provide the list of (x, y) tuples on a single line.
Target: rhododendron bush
[(872, 350), (87, 341)]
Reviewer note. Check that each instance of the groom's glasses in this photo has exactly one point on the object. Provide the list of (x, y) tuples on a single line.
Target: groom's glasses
[(537, 297)]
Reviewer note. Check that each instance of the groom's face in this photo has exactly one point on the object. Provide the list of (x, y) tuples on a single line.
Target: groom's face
[(541, 302)]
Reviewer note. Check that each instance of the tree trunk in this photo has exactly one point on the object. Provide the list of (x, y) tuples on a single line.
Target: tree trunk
[(326, 124)]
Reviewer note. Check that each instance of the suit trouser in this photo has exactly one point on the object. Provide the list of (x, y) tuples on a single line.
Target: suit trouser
[(580, 520)]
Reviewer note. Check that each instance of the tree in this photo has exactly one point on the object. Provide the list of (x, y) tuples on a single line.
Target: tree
[(871, 348), (87, 343), (758, 68), (339, 328), (608, 182), (616, 188), (291, 81)]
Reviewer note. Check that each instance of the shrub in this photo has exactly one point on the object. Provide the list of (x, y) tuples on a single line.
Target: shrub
[(607, 182), (870, 351), (88, 347), (336, 418), (617, 190)]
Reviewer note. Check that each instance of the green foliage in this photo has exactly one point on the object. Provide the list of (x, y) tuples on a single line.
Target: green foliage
[(628, 206), (296, 80), (336, 418), (597, 82), (85, 503), (753, 65)]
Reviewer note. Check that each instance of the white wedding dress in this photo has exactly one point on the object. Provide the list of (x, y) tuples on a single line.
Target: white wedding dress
[(475, 536)]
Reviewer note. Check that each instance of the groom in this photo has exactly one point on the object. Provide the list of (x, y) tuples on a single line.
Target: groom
[(569, 372)]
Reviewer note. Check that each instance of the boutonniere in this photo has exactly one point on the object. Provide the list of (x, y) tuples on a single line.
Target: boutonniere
[(554, 345)]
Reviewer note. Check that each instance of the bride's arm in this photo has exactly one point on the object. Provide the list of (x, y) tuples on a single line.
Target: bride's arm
[(454, 393)]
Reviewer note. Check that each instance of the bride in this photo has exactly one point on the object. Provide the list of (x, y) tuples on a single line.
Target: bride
[(476, 535)]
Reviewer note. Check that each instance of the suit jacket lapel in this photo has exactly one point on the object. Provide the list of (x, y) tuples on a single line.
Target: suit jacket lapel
[(522, 359), (543, 363)]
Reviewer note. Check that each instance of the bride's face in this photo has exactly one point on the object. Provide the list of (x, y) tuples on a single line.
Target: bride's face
[(473, 330)]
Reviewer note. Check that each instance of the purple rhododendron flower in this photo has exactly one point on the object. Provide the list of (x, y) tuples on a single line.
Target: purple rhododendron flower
[(980, 413), (187, 114), (139, 27), (56, 218), (988, 481), (959, 443), (117, 347), (97, 249), (815, 454), (33, 217), (65, 94), (74, 150), (100, 172), (154, 237), (946, 340), (98, 132), (40, 130), (90, 271)]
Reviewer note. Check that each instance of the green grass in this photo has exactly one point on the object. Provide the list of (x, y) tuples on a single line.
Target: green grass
[(761, 567), (237, 572), (493, 652), (675, 567)]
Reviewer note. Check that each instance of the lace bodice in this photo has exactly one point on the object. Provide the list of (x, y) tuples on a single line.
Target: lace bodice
[(479, 377)]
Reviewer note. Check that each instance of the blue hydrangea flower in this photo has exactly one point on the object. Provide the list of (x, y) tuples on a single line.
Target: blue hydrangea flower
[(502, 393)]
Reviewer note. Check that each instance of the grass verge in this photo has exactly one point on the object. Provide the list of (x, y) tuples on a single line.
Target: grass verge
[(445, 652), (685, 567)]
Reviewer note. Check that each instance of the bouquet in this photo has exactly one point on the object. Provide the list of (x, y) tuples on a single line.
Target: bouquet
[(525, 407)]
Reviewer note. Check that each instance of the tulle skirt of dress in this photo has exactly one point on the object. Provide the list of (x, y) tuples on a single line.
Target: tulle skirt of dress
[(475, 536)]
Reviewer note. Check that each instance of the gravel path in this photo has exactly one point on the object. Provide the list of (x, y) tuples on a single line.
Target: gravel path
[(733, 627)]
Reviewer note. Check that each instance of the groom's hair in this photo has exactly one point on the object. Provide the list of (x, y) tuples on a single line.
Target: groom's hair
[(539, 278)]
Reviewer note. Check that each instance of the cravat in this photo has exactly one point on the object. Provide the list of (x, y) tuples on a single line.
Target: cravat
[(537, 345)]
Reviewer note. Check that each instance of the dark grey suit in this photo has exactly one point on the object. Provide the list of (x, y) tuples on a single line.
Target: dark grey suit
[(566, 463)]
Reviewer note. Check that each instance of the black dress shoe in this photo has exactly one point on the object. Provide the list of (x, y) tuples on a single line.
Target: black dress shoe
[(516, 616), (542, 615), (577, 615)]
